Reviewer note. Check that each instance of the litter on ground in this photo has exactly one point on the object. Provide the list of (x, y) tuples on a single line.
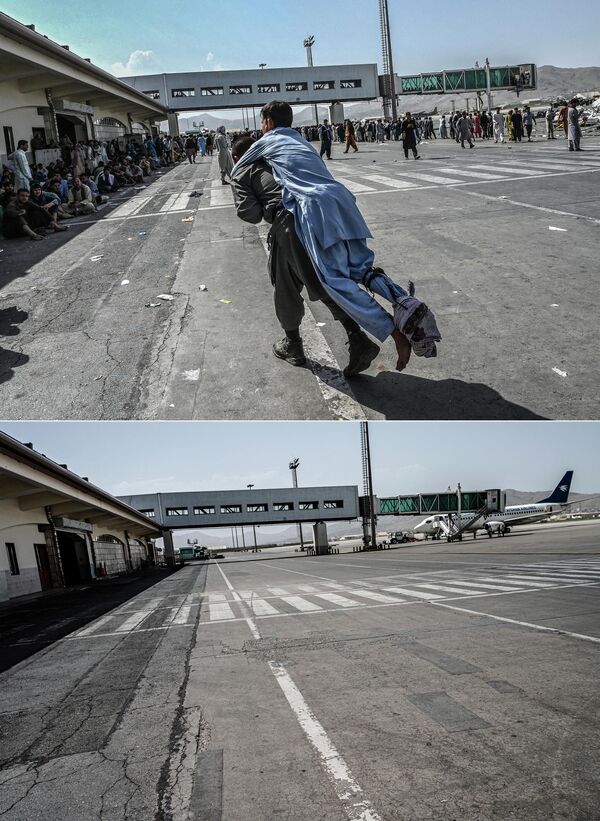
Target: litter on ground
[(225, 301), (187, 219), (203, 288), (124, 282), (559, 372), (96, 258), (152, 304), (141, 233), (554, 228), (166, 297)]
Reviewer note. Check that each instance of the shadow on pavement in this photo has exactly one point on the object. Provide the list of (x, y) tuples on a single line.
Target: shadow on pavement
[(400, 396), (10, 319), (31, 624)]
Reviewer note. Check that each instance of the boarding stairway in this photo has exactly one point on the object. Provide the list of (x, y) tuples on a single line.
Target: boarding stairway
[(452, 531)]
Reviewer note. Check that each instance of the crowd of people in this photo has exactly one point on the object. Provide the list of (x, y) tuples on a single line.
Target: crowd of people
[(37, 198)]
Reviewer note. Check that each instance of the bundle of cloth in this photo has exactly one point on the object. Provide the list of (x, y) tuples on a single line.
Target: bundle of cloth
[(334, 234)]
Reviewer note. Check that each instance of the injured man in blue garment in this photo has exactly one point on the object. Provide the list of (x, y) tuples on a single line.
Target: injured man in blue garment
[(334, 253)]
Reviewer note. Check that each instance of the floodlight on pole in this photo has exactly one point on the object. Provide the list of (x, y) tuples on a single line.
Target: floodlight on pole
[(389, 86), (308, 44), (262, 65), (293, 466), (250, 486)]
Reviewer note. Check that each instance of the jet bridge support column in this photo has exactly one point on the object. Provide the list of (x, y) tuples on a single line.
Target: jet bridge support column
[(320, 540), (169, 548)]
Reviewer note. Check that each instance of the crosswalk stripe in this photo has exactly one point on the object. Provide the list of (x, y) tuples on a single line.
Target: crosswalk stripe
[(221, 196), (393, 183), (220, 611), (87, 631), (547, 577), (168, 204), (262, 608), (132, 622), (301, 604), (306, 588), (278, 591), (355, 187), (152, 604), (426, 177), (217, 597), (542, 165), (169, 618), (447, 589), (477, 174), (486, 586), (418, 594), (183, 614), (371, 594), (335, 598), (132, 206), (181, 202), (513, 581), (512, 169)]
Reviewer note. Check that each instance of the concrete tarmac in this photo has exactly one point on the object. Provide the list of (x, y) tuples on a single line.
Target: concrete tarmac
[(431, 682), (500, 240)]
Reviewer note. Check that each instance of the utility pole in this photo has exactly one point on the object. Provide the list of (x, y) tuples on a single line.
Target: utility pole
[(389, 83), (293, 466), (308, 44), (250, 486), (369, 518)]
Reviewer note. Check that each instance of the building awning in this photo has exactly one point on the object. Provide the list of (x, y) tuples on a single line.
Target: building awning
[(36, 63), (33, 481)]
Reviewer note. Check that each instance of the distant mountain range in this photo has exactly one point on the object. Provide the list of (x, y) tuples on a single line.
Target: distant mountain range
[(553, 82)]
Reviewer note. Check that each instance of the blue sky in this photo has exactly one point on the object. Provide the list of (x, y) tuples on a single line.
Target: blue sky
[(191, 35), (408, 457)]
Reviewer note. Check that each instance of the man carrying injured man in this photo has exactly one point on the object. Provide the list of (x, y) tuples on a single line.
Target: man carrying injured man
[(318, 241)]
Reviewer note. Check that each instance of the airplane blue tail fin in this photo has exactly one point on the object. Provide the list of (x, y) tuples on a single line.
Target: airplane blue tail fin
[(560, 494)]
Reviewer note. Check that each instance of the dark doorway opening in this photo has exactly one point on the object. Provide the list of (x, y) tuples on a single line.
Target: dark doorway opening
[(74, 558), (43, 563)]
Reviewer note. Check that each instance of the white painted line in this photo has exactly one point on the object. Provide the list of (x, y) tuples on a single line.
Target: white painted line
[(221, 196), (427, 177), (418, 594), (262, 608), (335, 598), (181, 202), (547, 577), (513, 580), (476, 174), (220, 611), (168, 619), (335, 390), (183, 614), (485, 586), (506, 169), (371, 594), (541, 208), (355, 187), (132, 217), (349, 792), (278, 591), (132, 622), (217, 597), (152, 604), (390, 181), (522, 623), (540, 165), (446, 588), (307, 588), (169, 203), (132, 206), (94, 626), (301, 604)]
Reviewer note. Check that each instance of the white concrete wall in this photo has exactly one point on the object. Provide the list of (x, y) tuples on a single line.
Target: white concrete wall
[(19, 112), (20, 528), (115, 556)]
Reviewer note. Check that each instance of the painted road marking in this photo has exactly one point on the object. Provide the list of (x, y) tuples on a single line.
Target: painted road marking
[(415, 593), (462, 172), (512, 581), (335, 598), (393, 183), (217, 597), (447, 589), (278, 591), (427, 177), (301, 604), (130, 207), (169, 203), (262, 608), (547, 577), (221, 195), (349, 792), (355, 187), (132, 622), (220, 611), (485, 586), (183, 614), (307, 588), (371, 594), (95, 626)]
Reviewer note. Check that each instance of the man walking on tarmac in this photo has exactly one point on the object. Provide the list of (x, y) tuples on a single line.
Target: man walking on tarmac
[(318, 241), (326, 137)]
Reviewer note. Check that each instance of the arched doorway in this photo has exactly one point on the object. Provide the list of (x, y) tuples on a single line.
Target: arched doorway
[(73, 558)]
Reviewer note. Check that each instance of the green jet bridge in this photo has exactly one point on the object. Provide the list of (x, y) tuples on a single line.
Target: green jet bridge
[(471, 80), (450, 503)]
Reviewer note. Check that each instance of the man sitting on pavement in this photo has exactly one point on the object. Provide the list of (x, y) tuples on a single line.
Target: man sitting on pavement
[(107, 182), (23, 218), (80, 199), (322, 215)]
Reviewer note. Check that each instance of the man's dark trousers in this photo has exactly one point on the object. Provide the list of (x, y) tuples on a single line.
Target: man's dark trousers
[(291, 270), (325, 148)]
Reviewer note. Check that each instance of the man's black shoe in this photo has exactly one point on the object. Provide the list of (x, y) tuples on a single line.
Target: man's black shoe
[(291, 351), (362, 352)]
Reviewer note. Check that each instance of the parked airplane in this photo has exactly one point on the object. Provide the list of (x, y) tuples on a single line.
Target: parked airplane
[(436, 526)]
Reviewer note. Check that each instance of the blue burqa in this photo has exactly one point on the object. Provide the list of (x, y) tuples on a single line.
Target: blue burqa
[(330, 227)]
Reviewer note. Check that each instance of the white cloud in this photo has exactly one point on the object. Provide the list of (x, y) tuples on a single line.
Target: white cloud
[(139, 62), (210, 57)]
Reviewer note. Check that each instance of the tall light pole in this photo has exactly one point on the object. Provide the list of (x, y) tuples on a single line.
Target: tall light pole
[(308, 44), (389, 84), (293, 466), (250, 486)]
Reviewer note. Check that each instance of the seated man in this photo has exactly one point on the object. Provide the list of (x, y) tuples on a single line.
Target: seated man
[(97, 197), (80, 199), (23, 218), (59, 186), (44, 199), (107, 182), (333, 233)]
